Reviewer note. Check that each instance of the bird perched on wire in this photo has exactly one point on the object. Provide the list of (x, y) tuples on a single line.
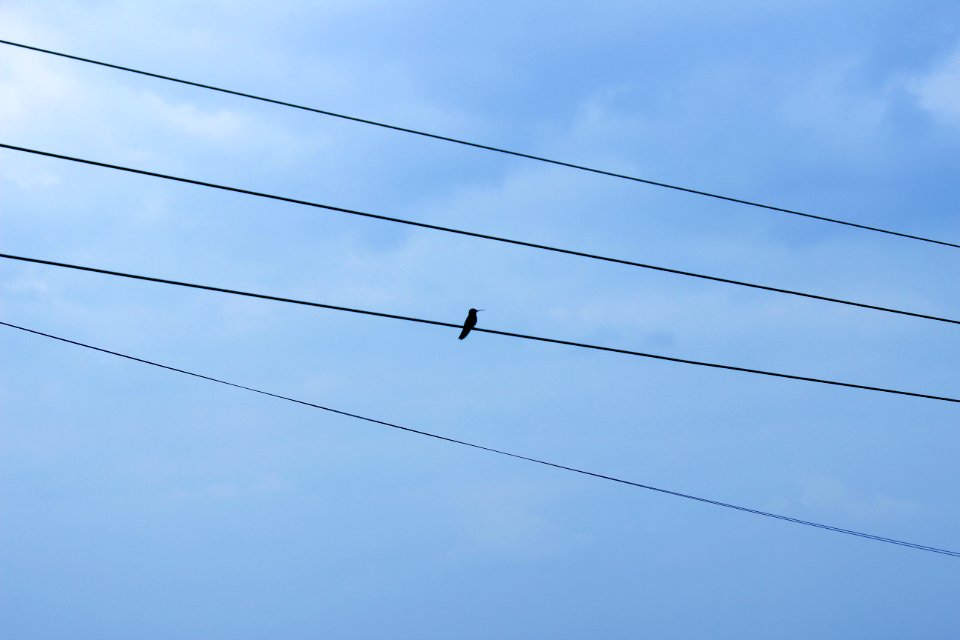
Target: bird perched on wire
[(469, 323)]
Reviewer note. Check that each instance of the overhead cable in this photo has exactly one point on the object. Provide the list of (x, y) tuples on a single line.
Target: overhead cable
[(485, 236), (562, 467), (477, 145), (509, 334)]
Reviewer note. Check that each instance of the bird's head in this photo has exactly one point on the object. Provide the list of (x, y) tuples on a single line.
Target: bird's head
[(474, 311)]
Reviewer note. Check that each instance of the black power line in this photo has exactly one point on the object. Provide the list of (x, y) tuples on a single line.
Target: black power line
[(509, 334), (562, 467), (484, 236), (486, 147)]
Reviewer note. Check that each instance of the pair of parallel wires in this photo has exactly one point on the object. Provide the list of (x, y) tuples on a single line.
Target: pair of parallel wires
[(485, 236)]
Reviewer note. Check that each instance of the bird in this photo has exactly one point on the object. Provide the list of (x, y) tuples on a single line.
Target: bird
[(469, 323)]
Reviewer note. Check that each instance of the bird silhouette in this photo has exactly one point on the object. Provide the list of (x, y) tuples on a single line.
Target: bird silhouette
[(469, 323)]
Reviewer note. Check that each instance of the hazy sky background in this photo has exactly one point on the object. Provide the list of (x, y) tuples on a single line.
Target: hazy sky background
[(139, 503)]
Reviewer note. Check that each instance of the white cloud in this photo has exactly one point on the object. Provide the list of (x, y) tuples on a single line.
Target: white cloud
[(26, 285), (27, 83), (829, 494), (30, 179), (511, 520), (220, 124), (829, 103), (938, 91)]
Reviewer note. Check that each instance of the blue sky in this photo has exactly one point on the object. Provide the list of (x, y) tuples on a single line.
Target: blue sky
[(138, 502)]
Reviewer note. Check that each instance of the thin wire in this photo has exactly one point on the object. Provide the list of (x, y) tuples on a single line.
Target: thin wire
[(486, 147), (484, 236), (501, 452), (510, 334)]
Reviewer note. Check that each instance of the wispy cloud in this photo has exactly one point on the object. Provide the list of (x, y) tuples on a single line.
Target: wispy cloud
[(938, 90)]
